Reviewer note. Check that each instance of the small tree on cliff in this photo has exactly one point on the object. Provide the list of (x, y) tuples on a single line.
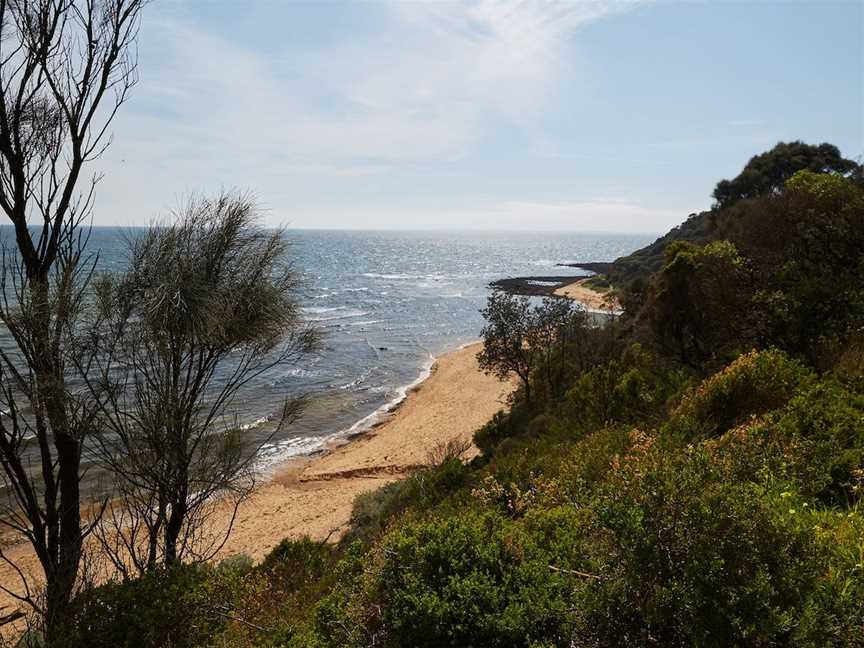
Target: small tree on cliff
[(518, 337), (207, 304)]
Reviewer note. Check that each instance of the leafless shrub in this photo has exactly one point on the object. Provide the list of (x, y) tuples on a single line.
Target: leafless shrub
[(444, 451)]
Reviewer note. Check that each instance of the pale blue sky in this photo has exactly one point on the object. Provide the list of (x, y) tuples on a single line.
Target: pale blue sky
[(601, 116)]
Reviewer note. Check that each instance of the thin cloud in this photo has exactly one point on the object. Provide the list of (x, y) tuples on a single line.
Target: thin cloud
[(420, 89)]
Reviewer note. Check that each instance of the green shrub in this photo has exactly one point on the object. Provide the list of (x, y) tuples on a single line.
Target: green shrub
[(469, 580), (825, 428), (293, 564), (343, 618), (834, 615), (693, 561), (753, 384), (162, 608), (373, 511), (634, 388), (591, 459), (502, 425)]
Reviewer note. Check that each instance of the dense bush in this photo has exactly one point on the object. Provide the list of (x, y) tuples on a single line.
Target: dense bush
[(471, 580), (374, 510), (163, 608), (825, 430), (753, 384), (697, 309), (695, 560), (635, 387)]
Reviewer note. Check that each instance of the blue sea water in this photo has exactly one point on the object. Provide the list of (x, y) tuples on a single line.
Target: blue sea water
[(387, 304)]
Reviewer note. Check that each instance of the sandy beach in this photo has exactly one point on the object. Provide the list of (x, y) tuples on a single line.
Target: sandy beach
[(314, 496), (593, 299)]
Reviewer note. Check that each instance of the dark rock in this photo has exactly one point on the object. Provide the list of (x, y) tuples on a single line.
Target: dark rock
[(535, 286)]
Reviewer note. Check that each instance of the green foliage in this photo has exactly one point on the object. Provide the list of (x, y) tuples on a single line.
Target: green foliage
[(805, 251), (784, 270), (470, 580), (294, 563), (767, 173), (755, 383), (825, 426), (374, 510), (823, 187), (501, 426), (835, 612), (694, 560), (517, 337), (698, 305), (164, 607), (634, 387), (764, 180)]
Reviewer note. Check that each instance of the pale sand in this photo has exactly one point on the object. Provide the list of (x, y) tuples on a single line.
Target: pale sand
[(314, 496), (594, 299)]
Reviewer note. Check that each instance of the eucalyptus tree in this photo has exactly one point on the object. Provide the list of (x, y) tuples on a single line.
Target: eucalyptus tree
[(208, 303), (66, 67)]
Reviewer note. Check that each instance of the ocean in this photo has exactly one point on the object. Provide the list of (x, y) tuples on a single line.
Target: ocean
[(387, 303)]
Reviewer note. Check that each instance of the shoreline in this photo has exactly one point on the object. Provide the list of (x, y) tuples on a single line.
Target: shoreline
[(313, 495)]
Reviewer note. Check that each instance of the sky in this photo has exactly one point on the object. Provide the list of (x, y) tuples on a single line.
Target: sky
[(579, 116)]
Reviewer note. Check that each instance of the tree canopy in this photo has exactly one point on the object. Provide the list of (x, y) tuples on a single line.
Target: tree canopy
[(767, 172)]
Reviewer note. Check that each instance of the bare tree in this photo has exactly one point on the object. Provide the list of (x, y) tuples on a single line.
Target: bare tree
[(207, 304), (66, 66)]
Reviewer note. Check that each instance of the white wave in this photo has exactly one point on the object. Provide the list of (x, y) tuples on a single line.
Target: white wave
[(345, 314), (299, 372), (392, 277), (273, 454), (255, 423), (366, 322), (357, 381), (367, 422), (317, 310)]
